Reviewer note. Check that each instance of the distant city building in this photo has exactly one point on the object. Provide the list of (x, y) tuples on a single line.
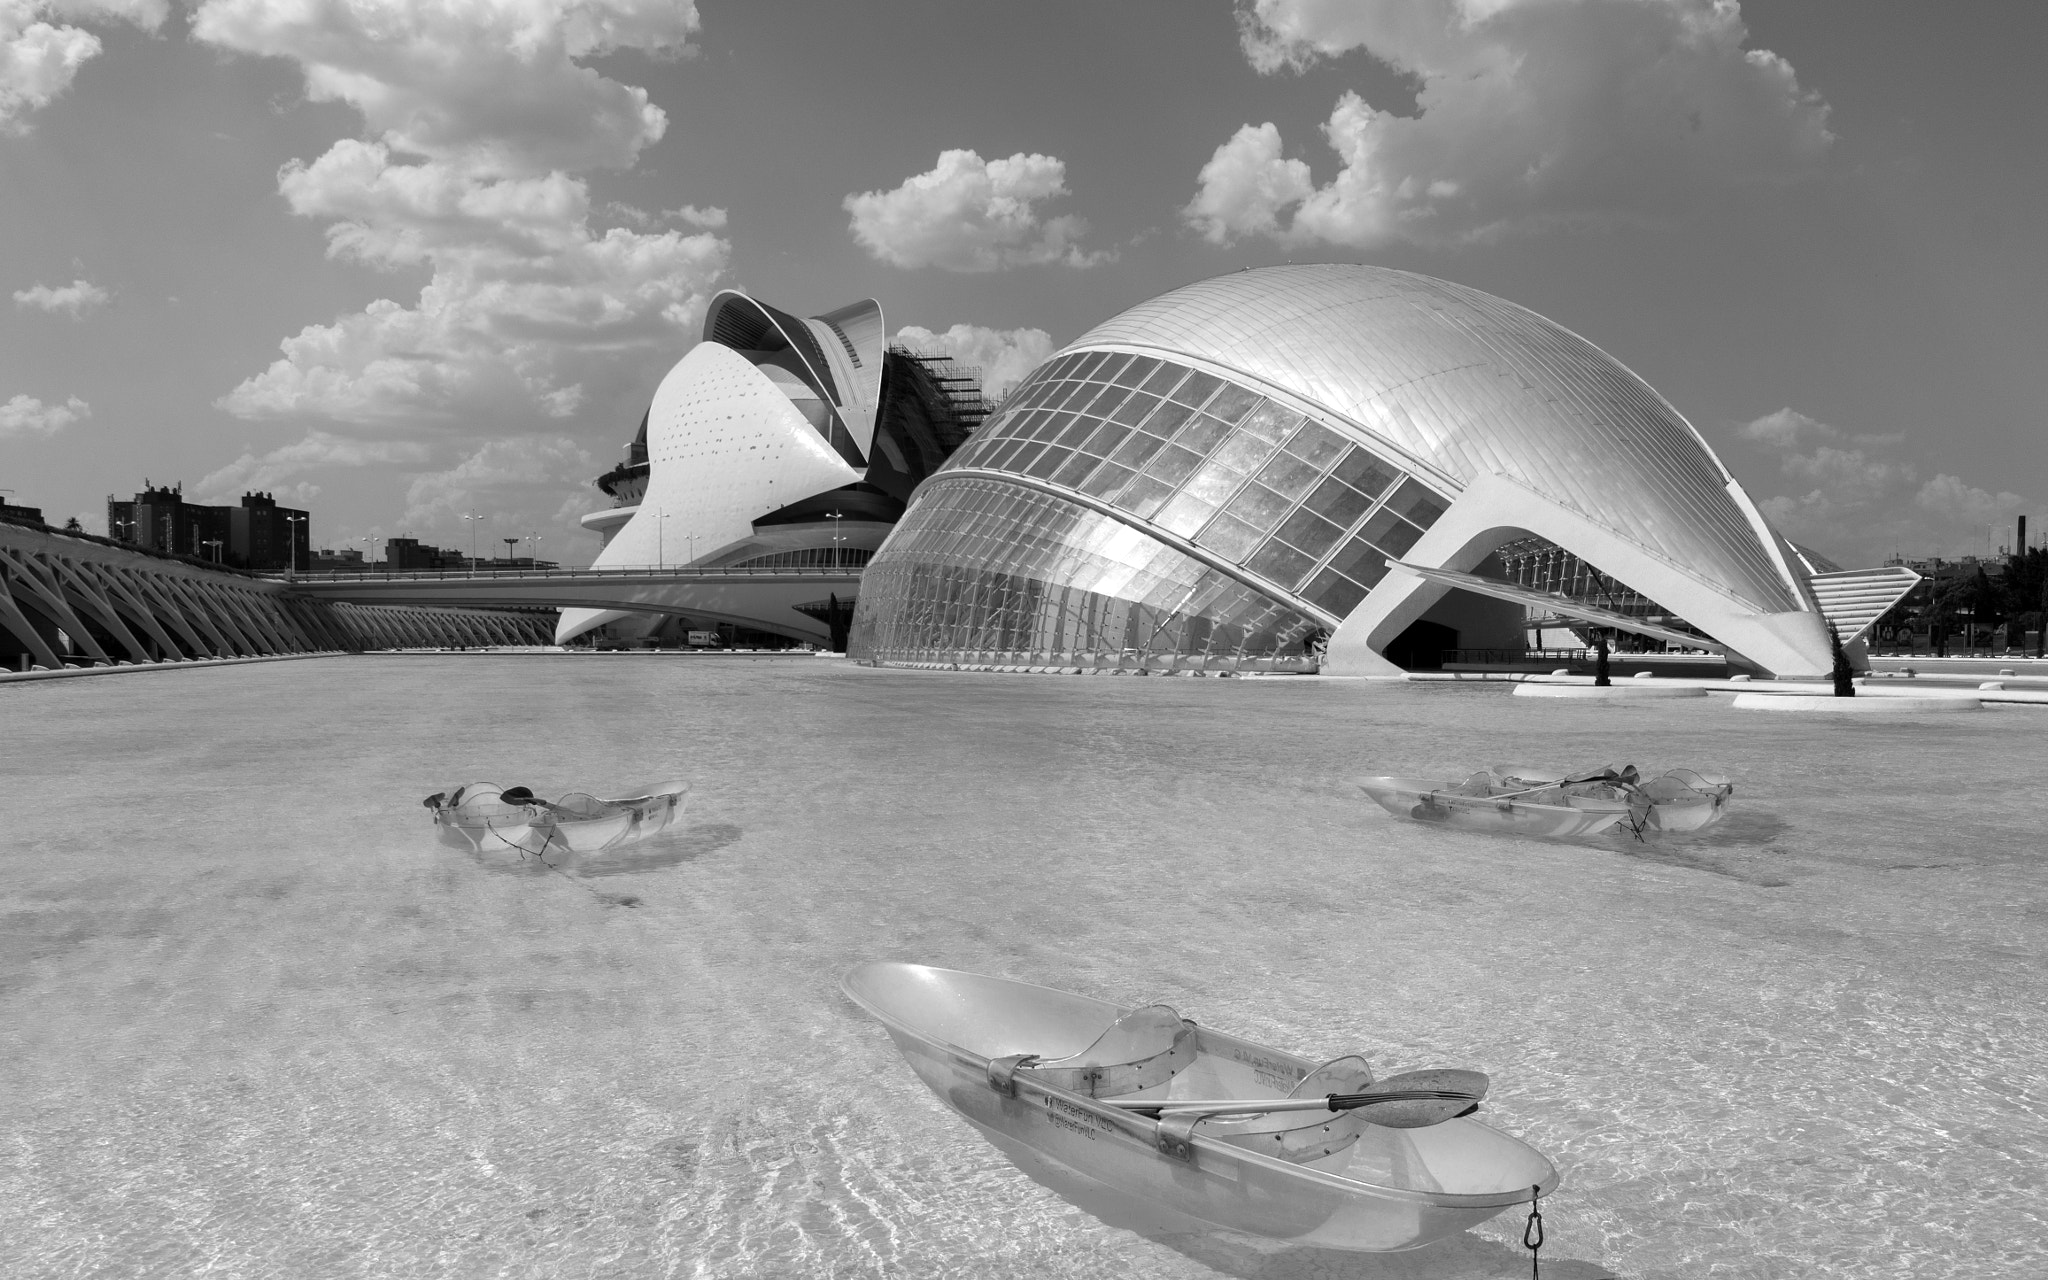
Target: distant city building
[(777, 442), (20, 515), (346, 560), (258, 535)]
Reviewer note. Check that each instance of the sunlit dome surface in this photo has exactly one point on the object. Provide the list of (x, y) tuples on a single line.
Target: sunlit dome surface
[(1458, 383)]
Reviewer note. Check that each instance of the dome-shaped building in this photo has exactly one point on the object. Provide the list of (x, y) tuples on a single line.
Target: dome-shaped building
[(1225, 476)]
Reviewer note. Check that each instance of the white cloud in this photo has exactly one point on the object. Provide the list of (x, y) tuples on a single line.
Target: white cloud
[(519, 486), (74, 299), (530, 316), (1004, 356), (1859, 499), (711, 217), (27, 416), (494, 86), (1528, 112), (318, 451), (39, 58), (967, 214)]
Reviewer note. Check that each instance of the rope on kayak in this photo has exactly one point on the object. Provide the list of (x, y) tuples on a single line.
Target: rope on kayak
[(1532, 1233)]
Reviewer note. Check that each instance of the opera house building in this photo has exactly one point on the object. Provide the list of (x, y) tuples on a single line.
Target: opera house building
[(1335, 465), (777, 442)]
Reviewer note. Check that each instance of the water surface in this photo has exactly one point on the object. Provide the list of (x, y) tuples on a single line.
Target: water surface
[(256, 1022)]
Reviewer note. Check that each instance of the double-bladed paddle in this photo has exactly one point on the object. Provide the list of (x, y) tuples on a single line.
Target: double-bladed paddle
[(1411, 1100)]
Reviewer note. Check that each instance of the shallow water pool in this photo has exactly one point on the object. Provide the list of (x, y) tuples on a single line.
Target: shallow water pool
[(256, 1022)]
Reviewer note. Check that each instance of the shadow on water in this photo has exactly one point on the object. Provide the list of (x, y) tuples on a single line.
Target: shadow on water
[(691, 845), (1461, 1257), (1716, 850)]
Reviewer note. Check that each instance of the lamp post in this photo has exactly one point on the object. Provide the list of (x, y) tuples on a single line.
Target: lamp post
[(472, 540), (370, 540), (691, 540), (835, 517), (535, 535), (660, 536), (297, 520), (215, 544)]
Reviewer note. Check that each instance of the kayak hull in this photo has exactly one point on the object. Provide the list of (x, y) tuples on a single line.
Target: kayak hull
[(576, 826), (1428, 801), (1390, 1190)]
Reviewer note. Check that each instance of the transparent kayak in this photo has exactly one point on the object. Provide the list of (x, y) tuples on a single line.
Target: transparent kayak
[(1678, 801), (1548, 812), (1118, 1110), (487, 818)]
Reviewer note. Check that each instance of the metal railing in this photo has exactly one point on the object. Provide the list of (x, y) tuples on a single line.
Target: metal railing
[(645, 571)]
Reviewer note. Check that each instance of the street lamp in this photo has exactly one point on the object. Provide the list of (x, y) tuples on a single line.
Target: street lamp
[(215, 544), (536, 548), (660, 536), (472, 541), (370, 540), (509, 544), (835, 517), (298, 520)]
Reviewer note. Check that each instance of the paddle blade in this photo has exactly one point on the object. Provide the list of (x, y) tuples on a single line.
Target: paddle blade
[(1446, 1093)]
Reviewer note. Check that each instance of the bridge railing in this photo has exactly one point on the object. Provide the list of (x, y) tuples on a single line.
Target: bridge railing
[(645, 571)]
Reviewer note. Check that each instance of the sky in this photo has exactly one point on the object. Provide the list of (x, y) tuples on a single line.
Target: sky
[(405, 261)]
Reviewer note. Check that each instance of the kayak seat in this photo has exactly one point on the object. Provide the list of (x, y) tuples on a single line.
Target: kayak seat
[(1301, 1136), (1145, 1047)]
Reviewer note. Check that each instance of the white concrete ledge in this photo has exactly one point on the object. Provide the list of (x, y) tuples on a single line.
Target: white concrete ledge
[(1619, 691), (184, 664), (1896, 704)]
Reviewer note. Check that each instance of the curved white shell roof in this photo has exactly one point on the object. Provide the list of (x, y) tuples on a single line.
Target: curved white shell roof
[(1469, 384)]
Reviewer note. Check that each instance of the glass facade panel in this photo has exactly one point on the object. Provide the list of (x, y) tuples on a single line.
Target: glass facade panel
[(1184, 514), (1338, 502), (1417, 504), (1259, 507), (1233, 402), (982, 573), (1137, 450), (1048, 462), (1072, 431), (1365, 473), (1172, 465), (1075, 470), (1105, 439), (1107, 481), (1279, 563), (1090, 361), (1333, 591), (1390, 532), (1133, 411), (1142, 496), (1230, 538), (1359, 561), (1201, 433), (1139, 369), (1195, 392), (1164, 379), (1270, 422), (1166, 419), (1315, 444), (1214, 483), (1198, 486), (1288, 476), (1311, 533), (1111, 366), (1243, 453)]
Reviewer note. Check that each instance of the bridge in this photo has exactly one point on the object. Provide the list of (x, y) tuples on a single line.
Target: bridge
[(791, 600)]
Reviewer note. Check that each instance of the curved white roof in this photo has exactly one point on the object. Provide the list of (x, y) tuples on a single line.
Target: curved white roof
[(1471, 384)]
